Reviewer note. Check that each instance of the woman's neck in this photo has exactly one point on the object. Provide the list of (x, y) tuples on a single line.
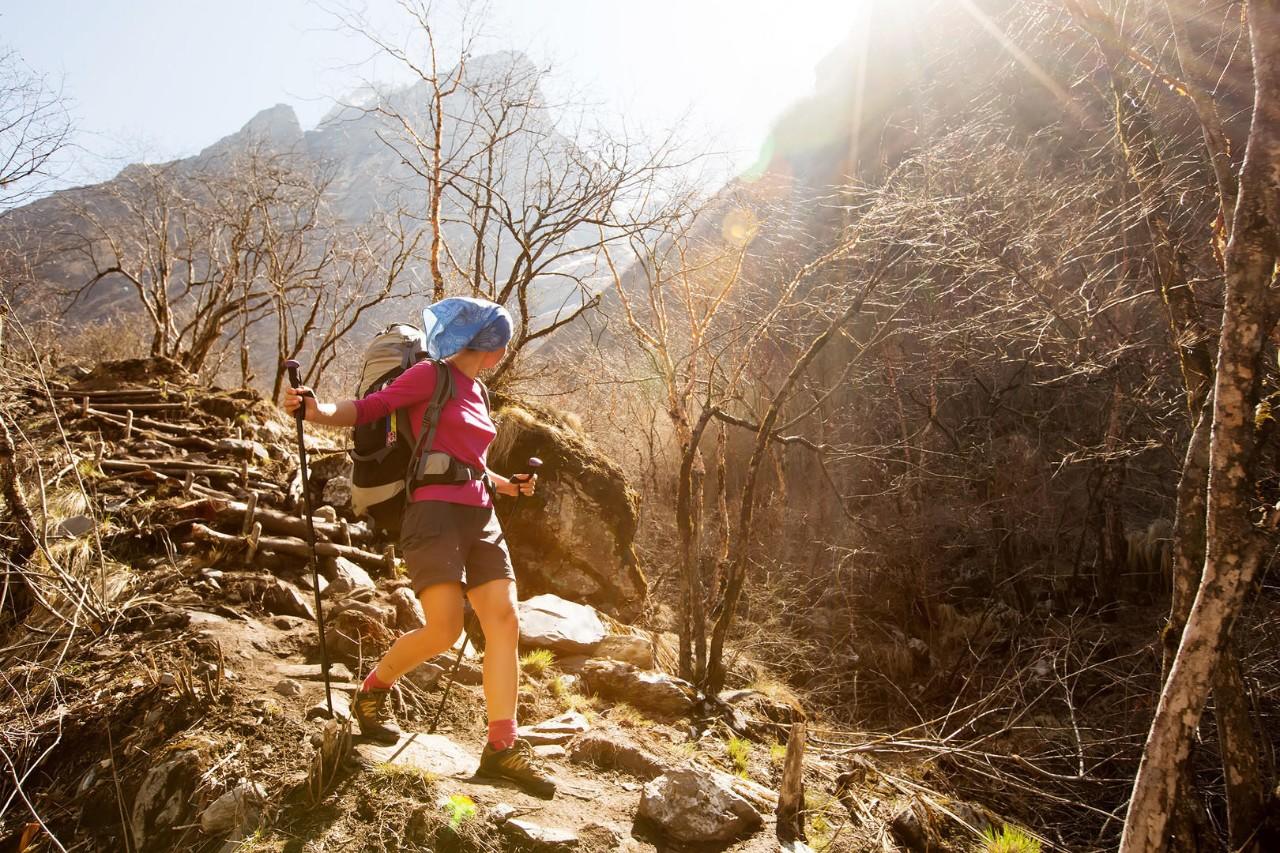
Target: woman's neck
[(468, 362)]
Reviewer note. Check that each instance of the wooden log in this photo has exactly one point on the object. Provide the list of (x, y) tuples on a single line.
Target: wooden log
[(177, 465), (254, 538), (790, 811), (173, 435), (249, 511), (120, 407), (163, 426), (283, 522), (291, 546), (105, 393)]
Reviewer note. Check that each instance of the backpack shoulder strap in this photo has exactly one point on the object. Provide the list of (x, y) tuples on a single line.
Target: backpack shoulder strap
[(442, 394), (484, 394)]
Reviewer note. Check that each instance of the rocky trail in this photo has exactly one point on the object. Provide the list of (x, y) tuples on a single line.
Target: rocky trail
[(161, 690)]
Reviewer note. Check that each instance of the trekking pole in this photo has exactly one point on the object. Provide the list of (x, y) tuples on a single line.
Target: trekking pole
[(452, 674), (534, 463), (294, 382)]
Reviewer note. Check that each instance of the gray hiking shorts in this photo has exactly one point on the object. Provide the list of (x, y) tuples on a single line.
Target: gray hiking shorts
[(443, 542)]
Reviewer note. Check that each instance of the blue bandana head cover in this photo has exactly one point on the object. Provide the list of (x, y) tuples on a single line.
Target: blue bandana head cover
[(461, 322)]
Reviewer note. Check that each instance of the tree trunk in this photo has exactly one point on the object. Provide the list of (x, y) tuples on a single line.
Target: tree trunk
[(1234, 545)]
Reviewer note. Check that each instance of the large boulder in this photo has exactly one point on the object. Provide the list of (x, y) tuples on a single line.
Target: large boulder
[(550, 622), (163, 801), (693, 805), (574, 537), (654, 691)]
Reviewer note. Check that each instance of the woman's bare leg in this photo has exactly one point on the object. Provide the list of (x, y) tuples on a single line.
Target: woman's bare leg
[(495, 606), (442, 604)]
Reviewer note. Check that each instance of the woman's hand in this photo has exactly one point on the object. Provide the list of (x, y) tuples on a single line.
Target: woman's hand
[(518, 485), (301, 396)]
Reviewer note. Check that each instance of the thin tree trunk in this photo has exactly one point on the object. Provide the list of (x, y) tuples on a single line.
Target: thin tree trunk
[(1234, 545)]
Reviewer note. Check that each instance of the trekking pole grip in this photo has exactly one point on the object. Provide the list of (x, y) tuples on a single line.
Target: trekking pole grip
[(294, 382), (534, 464)]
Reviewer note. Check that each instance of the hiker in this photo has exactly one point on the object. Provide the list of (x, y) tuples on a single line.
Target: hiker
[(449, 535)]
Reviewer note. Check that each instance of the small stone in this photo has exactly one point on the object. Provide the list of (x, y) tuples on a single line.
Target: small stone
[(285, 599), (615, 750), (287, 623), (312, 671), (654, 691), (288, 687), (501, 812), (550, 751), (168, 679), (348, 577), (425, 675), (77, 526), (337, 492), (409, 616), (628, 648), (326, 514), (341, 707), (238, 810), (542, 839)]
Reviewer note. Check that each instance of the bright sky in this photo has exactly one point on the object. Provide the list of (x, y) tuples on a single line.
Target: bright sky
[(156, 79)]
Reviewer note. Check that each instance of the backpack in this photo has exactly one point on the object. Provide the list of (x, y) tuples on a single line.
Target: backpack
[(387, 464)]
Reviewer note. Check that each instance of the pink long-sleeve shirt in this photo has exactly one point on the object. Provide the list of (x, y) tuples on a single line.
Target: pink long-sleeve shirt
[(465, 430)]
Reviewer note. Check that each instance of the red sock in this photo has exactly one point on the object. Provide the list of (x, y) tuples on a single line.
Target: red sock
[(374, 683), (502, 733)]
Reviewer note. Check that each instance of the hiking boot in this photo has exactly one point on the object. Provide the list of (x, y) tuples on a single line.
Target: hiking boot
[(373, 713), (518, 764)]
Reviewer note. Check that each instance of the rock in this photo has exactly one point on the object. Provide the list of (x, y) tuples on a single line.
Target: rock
[(535, 838), (284, 599), (599, 837), (425, 675), (572, 664), (761, 715), (434, 754), (409, 615), (628, 648), (167, 679), (355, 636), (328, 514), (550, 751), (615, 750), (308, 582), (288, 687), (337, 492), (76, 526), (329, 466), (341, 707), (537, 738), (311, 671), (908, 831), (348, 577), (551, 622), (244, 449), (238, 811), (575, 538), (655, 691), (692, 805), (570, 722), (163, 800)]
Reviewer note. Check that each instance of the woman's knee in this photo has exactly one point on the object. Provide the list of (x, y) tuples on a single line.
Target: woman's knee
[(501, 623), (443, 612)]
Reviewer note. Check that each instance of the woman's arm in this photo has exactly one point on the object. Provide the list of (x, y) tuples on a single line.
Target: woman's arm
[(342, 414), (510, 487)]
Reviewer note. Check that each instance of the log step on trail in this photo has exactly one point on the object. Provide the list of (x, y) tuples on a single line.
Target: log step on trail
[(291, 546)]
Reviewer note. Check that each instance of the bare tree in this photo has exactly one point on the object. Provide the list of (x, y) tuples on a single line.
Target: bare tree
[(1235, 542), (34, 126)]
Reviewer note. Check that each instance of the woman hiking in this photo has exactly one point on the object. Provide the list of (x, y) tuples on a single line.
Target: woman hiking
[(450, 536)]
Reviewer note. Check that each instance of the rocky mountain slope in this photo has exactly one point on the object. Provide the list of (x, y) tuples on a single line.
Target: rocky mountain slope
[(162, 692)]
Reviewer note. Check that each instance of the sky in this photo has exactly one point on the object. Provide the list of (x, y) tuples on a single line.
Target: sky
[(158, 79)]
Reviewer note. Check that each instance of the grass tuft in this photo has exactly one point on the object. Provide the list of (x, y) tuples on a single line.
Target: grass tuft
[(536, 662), (739, 750), (1009, 839)]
